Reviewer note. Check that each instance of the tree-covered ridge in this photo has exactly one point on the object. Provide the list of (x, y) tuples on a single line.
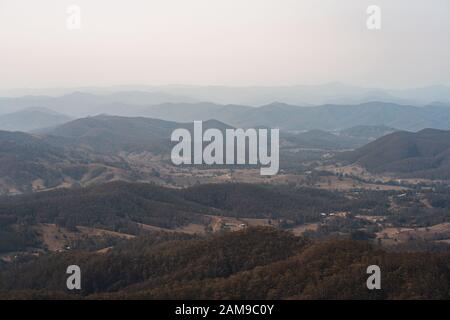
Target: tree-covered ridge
[(257, 263), (119, 206)]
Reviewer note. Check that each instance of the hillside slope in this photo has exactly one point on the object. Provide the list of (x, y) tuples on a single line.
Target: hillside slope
[(425, 154), (259, 263)]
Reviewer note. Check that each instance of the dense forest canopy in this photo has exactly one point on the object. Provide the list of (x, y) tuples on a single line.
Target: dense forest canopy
[(260, 263)]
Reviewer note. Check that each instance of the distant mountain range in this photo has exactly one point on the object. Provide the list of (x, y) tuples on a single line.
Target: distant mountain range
[(304, 95), (425, 154), (80, 104), (288, 117), (32, 119), (326, 117)]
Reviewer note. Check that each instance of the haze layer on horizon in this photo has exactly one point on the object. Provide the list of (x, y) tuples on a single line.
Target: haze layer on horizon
[(218, 42)]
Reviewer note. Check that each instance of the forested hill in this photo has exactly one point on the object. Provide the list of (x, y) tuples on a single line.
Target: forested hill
[(260, 263), (425, 154), (119, 206)]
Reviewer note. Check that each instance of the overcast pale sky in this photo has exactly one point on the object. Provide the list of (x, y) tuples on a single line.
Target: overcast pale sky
[(223, 42)]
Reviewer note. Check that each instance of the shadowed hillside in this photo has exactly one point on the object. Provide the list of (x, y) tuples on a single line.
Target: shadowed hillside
[(259, 263), (425, 154)]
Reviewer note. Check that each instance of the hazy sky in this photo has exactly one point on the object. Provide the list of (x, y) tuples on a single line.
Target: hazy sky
[(223, 42)]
